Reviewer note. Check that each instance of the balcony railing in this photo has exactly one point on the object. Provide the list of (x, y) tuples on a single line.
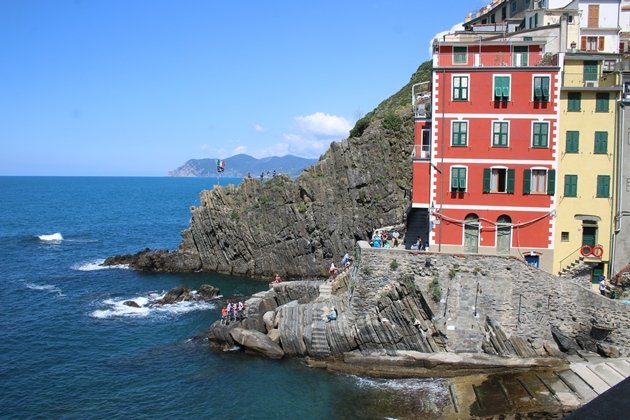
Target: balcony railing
[(578, 79), (421, 151), (497, 59)]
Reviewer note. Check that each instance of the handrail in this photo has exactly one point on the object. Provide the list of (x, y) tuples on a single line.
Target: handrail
[(571, 253)]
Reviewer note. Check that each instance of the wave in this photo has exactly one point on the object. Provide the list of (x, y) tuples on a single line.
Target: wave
[(53, 237), (144, 306), (96, 265), (412, 384), (44, 287)]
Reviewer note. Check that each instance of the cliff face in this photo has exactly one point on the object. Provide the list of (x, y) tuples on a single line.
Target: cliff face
[(298, 227)]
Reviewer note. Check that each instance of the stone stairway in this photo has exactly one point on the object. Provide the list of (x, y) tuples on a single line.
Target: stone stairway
[(464, 332), (319, 343), (325, 290)]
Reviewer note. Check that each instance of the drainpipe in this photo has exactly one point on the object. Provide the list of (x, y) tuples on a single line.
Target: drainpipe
[(442, 150), (615, 226)]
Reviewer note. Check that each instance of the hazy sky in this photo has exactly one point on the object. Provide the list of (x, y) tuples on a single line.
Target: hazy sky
[(130, 87)]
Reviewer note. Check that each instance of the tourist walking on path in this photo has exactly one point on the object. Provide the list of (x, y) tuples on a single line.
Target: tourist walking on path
[(602, 285)]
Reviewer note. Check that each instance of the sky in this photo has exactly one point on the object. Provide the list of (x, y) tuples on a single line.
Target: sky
[(138, 87)]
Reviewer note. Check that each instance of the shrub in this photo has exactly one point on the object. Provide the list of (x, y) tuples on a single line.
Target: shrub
[(359, 127), (392, 122), (435, 290), (302, 207), (393, 265)]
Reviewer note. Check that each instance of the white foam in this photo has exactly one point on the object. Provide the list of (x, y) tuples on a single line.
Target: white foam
[(97, 265), (412, 384), (116, 308), (52, 237), (44, 287)]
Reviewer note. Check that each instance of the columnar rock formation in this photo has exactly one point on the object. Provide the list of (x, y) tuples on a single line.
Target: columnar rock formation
[(298, 227), (404, 309)]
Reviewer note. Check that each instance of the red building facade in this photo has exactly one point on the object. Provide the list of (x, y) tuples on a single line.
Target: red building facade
[(486, 153)]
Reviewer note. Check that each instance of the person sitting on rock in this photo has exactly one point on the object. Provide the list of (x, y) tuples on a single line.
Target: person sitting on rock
[(332, 315), (277, 279)]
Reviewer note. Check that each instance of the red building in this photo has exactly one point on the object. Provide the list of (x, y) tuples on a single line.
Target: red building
[(486, 150)]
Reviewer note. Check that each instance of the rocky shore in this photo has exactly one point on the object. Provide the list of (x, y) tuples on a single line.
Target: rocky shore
[(404, 313)]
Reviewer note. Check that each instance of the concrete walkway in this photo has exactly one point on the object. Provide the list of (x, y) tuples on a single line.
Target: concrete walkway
[(587, 377)]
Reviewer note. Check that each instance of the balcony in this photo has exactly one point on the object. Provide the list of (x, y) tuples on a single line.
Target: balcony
[(421, 152), (421, 100), (578, 79), (496, 59)]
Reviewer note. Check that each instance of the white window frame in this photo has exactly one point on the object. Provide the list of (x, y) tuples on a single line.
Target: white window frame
[(450, 178), (531, 181), (467, 133), (531, 144), (496, 191), (492, 133), (533, 97), (467, 76), (494, 78), (453, 57)]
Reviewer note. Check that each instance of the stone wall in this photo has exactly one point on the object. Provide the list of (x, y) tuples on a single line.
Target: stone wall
[(524, 300)]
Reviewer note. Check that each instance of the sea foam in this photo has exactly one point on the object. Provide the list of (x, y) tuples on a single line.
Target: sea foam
[(52, 237), (96, 265), (116, 308), (44, 287)]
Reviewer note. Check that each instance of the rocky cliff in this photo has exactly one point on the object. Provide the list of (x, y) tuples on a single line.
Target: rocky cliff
[(297, 227)]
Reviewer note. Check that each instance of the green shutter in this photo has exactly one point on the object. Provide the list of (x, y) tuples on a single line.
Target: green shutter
[(603, 186), (486, 179), (462, 179), (506, 88), (601, 102), (510, 181), (570, 185), (551, 181), (454, 179), (527, 180), (545, 88), (573, 141), (601, 142), (501, 88), (574, 101), (590, 71)]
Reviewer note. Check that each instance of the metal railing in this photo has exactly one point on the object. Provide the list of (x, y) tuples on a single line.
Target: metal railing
[(421, 151)]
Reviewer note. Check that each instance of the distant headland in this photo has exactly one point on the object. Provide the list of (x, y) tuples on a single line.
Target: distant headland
[(241, 165)]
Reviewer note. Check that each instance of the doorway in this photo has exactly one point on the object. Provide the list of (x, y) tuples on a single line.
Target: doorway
[(504, 235), (471, 234), (589, 235)]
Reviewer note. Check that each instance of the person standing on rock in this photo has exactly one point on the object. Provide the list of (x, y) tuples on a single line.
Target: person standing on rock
[(602, 285)]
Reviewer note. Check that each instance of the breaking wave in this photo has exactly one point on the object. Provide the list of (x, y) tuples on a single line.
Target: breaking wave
[(96, 265), (53, 237), (144, 306), (50, 288)]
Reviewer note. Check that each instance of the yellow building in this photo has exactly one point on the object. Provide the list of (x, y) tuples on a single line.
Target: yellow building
[(586, 163)]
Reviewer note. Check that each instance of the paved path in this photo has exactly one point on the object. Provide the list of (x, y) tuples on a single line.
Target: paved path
[(588, 376)]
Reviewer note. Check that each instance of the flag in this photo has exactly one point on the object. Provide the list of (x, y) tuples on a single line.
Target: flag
[(220, 166)]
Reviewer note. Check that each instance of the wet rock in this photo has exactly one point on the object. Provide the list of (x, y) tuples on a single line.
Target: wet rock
[(565, 343), (131, 303)]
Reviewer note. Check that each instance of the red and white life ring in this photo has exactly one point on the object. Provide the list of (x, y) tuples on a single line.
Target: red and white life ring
[(586, 250), (597, 251)]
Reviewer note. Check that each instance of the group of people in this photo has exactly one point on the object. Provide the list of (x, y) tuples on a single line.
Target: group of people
[(232, 312), (385, 239), (346, 261), (419, 244)]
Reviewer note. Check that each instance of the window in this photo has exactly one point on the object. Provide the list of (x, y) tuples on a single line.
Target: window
[(541, 88), (540, 136), (498, 180), (501, 88), (601, 102), (601, 142), (458, 179), (570, 185), (512, 8), (503, 13), (500, 130), (590, 71), (460, 133), (575, 99), (593, 43), (573, 142), (460, 55), (539, 181), (520, 56), (564, 236), (460, 88), (609, 65), (603, 186)]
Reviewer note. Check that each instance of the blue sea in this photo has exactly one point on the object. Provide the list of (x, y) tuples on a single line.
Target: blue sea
[(70, 349)]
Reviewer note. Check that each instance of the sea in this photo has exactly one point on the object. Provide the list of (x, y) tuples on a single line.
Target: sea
[(70, 349)]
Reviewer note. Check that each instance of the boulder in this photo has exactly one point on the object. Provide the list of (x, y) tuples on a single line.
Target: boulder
[(207, 292), (131, 303), (274, 335), (176, 294), (257, 342), (269, 320), (608, 350), (565, 343)]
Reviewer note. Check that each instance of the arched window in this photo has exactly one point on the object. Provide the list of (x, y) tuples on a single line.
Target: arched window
[(504, 235), (471, 233)]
